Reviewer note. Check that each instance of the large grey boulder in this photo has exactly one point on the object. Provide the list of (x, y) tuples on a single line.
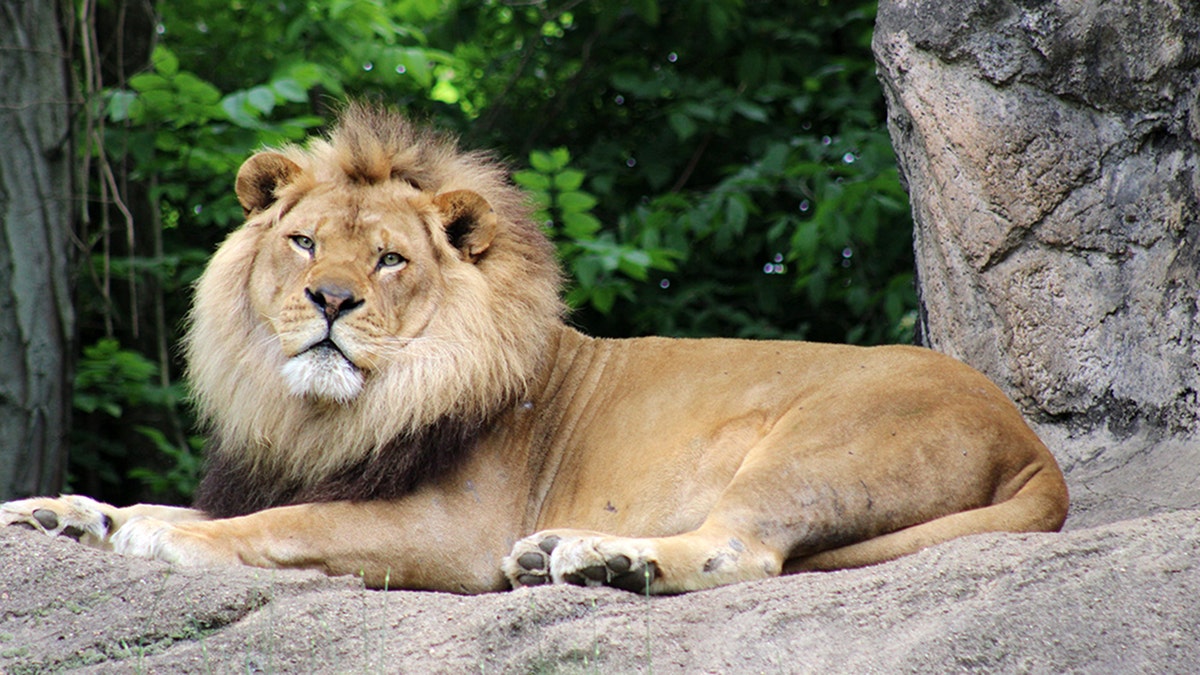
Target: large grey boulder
[(1051, 154), (1120, 598)]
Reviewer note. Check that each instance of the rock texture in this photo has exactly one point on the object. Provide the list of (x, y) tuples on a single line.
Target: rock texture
[(1114, 599), (1051, 152)]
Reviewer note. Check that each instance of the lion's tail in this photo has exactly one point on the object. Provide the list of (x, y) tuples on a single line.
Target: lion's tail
[(1040, 505)]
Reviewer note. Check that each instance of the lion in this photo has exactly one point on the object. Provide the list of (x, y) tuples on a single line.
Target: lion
[(381, 358)]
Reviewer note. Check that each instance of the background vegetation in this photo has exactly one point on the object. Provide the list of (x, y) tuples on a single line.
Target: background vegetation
[(706, 168)]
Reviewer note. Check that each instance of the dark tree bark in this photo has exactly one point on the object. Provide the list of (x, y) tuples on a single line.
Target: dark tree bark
[(36, 315)]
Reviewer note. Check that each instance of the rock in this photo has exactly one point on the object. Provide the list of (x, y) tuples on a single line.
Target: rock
[(1051, 153), (1115, 598)]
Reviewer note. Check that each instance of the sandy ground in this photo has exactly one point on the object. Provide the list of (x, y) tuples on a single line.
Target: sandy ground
[(1117, 592)]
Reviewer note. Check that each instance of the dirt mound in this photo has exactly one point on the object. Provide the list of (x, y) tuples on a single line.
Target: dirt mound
[(1120, 597)]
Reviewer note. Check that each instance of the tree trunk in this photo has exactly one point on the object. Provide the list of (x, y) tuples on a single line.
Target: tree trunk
[(36, 316), (1052, 152)]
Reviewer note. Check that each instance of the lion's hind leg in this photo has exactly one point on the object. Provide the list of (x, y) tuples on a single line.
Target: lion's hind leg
[(1039, 505)]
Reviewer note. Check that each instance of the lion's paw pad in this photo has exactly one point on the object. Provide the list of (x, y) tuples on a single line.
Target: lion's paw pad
[(69, 516), (529, 562), (545, 558), (595, 567)]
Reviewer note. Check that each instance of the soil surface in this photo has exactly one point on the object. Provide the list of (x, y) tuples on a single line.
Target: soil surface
[(1117, 592)]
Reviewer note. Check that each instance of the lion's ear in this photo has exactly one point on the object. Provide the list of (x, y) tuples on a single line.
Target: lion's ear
[(260, 176), (469, 220)]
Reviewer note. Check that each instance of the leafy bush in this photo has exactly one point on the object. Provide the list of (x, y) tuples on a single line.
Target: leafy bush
[(601, 267)]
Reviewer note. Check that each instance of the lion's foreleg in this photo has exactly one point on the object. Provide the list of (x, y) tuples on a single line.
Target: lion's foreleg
[(389, 544)]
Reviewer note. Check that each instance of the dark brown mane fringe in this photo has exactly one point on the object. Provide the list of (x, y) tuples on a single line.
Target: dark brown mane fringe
[(229, 488)]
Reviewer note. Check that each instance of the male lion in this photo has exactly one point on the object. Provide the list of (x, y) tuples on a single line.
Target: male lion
[(380, 356)]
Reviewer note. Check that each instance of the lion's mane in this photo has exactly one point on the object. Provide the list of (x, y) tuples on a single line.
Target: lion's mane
[(477, 356)]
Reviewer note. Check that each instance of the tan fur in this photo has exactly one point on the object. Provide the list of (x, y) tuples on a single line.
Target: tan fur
[(527, 452)]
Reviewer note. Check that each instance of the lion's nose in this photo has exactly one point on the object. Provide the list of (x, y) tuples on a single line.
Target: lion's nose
[(333, 301)]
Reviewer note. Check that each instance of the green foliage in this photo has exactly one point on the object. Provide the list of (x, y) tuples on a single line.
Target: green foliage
[(113, 387), (107, 378), (183, 465), (601, 267), (705, 168)]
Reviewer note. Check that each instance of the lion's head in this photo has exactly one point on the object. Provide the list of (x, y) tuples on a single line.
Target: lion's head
[(383, 282)]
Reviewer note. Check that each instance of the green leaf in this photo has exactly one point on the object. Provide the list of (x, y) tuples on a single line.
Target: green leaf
[(165, 63), (805, 240), (568, 180), (119, 104), (167, 141), (549, 162), (306, 75), (532, 180), (158, 103), (603, 298), (580, 225), (561, 157), (736, 213), (445, 92), (290, 90), (751, 111), (700, 111), (634, 264), (586, 269), (543, 162), (683, 126), (239, 111), (195, 90), (576, 202), (416, 66), (262, 99), (144, 82), (576, 297), (664, 259)]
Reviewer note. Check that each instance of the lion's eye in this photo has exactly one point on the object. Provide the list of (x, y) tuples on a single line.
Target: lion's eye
[(303, 243), (391, 260)]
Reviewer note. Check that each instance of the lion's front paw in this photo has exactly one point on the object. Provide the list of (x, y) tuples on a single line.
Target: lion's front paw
[(144, 538), (627, 564), (589, 560), (187, 544), (79, 518)]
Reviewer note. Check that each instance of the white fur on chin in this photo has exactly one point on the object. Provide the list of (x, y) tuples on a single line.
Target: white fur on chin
[(323, 374)]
